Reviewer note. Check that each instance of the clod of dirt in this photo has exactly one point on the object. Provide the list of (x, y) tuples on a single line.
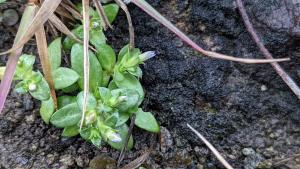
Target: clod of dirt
[(103, 162)]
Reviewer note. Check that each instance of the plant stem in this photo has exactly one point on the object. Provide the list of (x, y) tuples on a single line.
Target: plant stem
[(156, 15), (102, 14), (280, 71), (86, 28), (129, 20)]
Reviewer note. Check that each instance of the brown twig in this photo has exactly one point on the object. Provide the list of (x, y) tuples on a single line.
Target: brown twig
[(280, 71), (124, 149), (130, 25), (212, 148)]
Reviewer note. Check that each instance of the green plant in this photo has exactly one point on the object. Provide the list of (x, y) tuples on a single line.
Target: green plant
[(115, 91)]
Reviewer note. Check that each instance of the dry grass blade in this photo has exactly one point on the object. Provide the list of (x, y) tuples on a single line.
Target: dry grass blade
[(65, 30), (86, 66), (70, 3), (46, 10), (62, 27), (129, 20), (212, 148), (137, 162), (62, 12), (102, 14), (156, 15), (280, 71), (11, 64), (72, 10), (52, 29), (42, 46)]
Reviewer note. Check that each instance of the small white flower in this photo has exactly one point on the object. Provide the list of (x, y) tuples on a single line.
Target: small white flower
[(32, 87), (113, 136), (147, 55), (95, 24)]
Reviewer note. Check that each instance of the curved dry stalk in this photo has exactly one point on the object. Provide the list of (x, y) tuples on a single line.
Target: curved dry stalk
[(11, 64), (45, 11), (42, 46), (280, 71), (212, 148), (86, 64), (156, 15), (129, 20), (102, 14)]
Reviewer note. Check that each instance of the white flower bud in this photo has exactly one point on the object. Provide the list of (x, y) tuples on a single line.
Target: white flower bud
[(95, 24), (32, 87), (122, 98), (113, 136), (147, 55)]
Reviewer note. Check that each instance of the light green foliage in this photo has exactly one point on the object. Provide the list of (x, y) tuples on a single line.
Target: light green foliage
[(115, 90)]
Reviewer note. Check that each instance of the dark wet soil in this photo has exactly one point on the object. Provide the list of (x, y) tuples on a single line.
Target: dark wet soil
[(246, 111)]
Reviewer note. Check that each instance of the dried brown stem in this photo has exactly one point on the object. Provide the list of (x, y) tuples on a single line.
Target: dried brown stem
[(280, 71), (212, 148), (102, 14), (44, 57), (71, 10), (124, 149), (130, 25)]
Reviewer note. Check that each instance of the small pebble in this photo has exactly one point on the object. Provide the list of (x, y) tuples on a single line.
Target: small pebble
[(263, 88), (67, 160), (10, 17)]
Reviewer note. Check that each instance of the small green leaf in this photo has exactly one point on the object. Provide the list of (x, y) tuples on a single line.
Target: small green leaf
[(54, 51), (42, 91), (46, 110), (67, 116), (105, 94), (111, 11), (91, 101), (105, 78), (62, 101), (21, 87), (147, 121), (123, 52), (2, 1), (95, 67), (68, 42), (128, 81), (70, 131), (123, 118), (123, 131), (130, 101), (64, 77), (97, 37), (107, 57), (74, 87), (24, 67)]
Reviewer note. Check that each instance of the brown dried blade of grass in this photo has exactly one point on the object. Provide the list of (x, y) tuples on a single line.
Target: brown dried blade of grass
[(212, 148), (65, 30), (72, 10), (11, 64), (42, 46), (46, 10)]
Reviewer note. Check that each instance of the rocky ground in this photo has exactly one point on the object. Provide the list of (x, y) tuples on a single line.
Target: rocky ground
[(246, 111)]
